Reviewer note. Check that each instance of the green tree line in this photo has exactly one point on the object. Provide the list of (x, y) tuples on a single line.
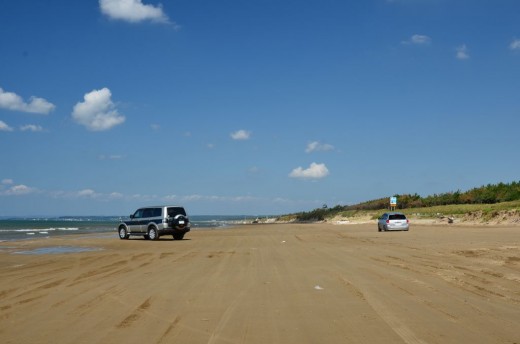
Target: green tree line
[(488, 194)]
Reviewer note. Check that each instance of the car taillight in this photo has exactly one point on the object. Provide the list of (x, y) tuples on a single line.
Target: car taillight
[(387, 221), (407, 221)]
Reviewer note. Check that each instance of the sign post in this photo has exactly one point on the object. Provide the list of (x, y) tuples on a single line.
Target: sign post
[(393, 202)]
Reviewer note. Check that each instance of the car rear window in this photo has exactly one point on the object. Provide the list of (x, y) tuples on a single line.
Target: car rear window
[(174, 211), (397, 217)]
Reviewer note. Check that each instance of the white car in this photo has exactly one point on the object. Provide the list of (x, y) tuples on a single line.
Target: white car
[(393, 222)]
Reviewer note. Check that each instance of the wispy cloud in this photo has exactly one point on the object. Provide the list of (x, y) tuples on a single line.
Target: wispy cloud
[(133, 11), (462, 52), (418, 40), (314, 171), (317, 146), (111, 157), (241, 135), (5, 127), (87, 193), (97, 112), (31, 127), (12, 101), (18, 190), (9, 188), (515, 45)]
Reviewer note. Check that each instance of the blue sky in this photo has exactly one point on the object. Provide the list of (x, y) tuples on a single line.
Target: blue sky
[(253, 107)]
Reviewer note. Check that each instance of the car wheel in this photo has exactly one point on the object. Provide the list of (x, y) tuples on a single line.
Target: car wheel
[(153, 234), (378, 228), (178, 236), (123, 234)]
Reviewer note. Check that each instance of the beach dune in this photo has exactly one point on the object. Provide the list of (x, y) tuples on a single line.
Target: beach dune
[(312, 283)]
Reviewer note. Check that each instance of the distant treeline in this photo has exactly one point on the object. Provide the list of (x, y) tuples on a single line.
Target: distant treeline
[(491, 193)]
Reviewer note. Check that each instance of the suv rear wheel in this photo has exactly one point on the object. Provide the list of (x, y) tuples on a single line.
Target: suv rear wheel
[(153, 234)]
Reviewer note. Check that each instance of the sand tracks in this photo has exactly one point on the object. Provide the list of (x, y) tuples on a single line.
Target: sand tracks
[(271, 284)]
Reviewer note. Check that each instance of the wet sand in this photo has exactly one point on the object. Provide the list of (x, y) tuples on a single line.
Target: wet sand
[(314, 283)]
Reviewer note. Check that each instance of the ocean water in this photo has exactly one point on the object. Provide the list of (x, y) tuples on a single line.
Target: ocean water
[(20, 228)]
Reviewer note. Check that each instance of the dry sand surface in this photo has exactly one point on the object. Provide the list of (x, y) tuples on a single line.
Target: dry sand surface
[(292, 283)]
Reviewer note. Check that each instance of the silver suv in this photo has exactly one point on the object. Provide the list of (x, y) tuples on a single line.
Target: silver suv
[(152, 222)]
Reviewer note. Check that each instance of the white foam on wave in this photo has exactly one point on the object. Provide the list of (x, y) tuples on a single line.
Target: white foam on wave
[(41, 230)]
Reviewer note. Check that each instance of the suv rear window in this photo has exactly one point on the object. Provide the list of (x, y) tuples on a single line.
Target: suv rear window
[(174, 211), (397, 217)]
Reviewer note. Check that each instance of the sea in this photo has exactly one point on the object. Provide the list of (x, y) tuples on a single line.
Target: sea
[(21, 228)]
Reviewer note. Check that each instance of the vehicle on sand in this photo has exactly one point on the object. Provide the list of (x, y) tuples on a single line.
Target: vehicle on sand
[(154, 222)]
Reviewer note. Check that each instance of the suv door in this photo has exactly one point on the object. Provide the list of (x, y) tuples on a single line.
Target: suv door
[(135, 223)]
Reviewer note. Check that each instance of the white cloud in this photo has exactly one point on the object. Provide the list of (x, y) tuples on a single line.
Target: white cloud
[(5, 127), (12, 101), (317, 146), (97, 112), (315, 171), (133, 11), (418, 40), (7, 181), (115, 195), (462, 52), (241, 135), (18, 190), (31, 127), (87, 193), (515, 44)]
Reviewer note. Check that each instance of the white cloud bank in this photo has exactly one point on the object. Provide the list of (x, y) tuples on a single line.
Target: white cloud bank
[(317, 146), (241, 135), (12, 101), (133, 11), (97, 112), (315, 171)]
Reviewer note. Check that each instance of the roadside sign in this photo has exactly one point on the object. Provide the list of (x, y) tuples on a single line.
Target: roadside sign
[(393, 201)]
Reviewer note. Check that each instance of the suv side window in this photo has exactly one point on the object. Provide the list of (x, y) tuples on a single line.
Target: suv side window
[(148, 212), (157, 212), (138, 213)]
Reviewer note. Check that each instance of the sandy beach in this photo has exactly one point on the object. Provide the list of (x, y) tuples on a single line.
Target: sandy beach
[(276, 283)]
